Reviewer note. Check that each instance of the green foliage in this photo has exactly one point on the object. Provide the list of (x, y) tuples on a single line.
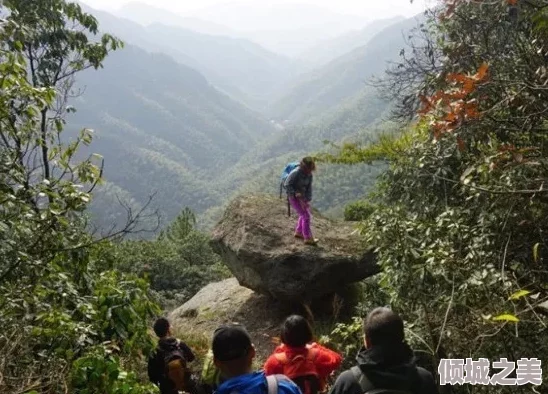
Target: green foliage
[(100, 371), (346, 338), (358, 211), (60, 300), (55, 49), (178, 263), (461, 211)]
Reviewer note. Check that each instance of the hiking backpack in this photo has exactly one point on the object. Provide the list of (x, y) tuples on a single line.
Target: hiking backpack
[(368, 388), (302, 370), (272, 383), (176, 368), (287, 170)]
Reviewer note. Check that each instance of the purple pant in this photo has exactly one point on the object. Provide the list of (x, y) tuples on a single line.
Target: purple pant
[(303, 224)]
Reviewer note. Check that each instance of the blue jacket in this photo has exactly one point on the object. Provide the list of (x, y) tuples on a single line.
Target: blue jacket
[(255, 383), (299, 182)]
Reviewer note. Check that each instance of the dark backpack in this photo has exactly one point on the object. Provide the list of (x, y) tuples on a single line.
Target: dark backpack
[(302, 370), (287, 170), (368, 388), (176, 368)]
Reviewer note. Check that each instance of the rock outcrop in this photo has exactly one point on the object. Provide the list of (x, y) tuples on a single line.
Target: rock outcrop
[(255, 240), (227, 302)]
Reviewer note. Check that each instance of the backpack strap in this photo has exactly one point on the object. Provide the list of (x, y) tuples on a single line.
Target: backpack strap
[(362, 380), (272, 384)]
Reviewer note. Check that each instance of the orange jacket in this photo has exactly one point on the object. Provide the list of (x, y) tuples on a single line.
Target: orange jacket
[(327, 361)]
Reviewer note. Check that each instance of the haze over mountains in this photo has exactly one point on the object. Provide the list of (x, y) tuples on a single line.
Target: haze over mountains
[(195, 117), (288, 29)]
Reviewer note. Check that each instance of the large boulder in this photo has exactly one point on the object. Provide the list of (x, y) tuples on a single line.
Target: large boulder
[(255, 239), (228, 302)]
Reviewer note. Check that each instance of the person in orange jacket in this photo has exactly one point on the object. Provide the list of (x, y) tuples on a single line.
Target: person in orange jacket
[(305, 362)]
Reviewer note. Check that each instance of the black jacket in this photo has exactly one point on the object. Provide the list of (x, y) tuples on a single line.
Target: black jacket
[(387, 368), (156, 367)]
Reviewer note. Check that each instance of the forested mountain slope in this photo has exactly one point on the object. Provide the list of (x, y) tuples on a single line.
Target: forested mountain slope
[(343, 78), (231, 63), (241, 68), (162, 128), (335, 185)]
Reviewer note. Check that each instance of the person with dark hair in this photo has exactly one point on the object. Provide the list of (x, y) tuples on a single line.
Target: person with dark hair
[(169, 349), (305, 362), (298, 186), (386, 363), (233, 354)]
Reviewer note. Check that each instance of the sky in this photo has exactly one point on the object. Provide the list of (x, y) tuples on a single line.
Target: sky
[(373, 9)]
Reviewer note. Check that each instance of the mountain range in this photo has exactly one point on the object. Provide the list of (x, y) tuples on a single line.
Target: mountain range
[(239, 67), (165, 128), (288, 29), (328, 50), (146, 14), (343, 78)]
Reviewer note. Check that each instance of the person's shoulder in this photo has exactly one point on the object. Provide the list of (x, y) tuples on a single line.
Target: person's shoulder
[(428, 383), (346, 383), (346, 377), (273, 359), (425, 375)]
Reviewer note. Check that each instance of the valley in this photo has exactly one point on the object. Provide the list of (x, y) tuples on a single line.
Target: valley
[(195, 118)]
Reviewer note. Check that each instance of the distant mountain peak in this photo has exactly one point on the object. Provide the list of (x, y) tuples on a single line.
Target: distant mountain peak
[(146, 14)]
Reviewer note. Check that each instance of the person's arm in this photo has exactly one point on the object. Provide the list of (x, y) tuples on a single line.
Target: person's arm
[(308, 194), (187, 352), (154, 373), (291, 182), (346, 384), (272, 366), (327, 361)]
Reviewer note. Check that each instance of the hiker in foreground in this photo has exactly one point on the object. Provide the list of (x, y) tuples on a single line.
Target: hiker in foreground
[(233, 353), (386, 364), (298, 186), (167, 366), (299, 358)]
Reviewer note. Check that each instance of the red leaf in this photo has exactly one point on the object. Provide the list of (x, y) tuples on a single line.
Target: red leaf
[(482, 72)]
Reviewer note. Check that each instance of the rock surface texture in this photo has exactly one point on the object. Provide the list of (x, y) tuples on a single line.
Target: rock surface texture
[(256, 241), (228, 302)]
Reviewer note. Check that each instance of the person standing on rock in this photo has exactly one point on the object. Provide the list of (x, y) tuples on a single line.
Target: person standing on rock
[(298, 186), (233, 354), (386, 363)]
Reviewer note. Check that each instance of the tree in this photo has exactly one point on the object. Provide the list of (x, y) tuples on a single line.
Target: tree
[(54, 36), (460, 215), (178, 263), (65, 313), (181, 227)]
